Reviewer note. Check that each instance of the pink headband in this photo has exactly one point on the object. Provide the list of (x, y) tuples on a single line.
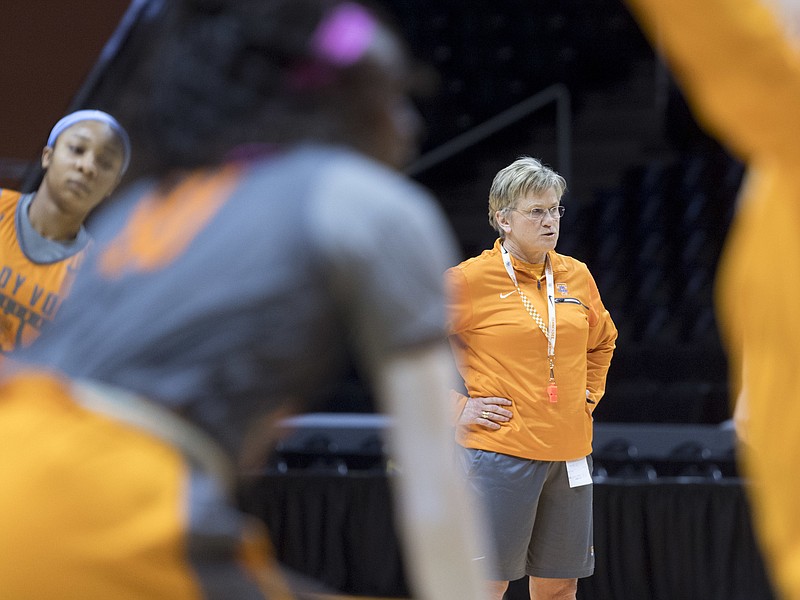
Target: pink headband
[(344, 35), (340, 40)]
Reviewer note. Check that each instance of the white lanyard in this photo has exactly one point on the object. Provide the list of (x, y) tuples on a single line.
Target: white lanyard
[(550, 330)]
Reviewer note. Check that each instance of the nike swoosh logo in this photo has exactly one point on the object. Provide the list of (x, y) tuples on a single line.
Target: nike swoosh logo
[(507, 294)]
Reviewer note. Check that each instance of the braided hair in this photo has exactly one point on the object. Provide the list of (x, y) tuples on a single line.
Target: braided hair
[(225, 73)]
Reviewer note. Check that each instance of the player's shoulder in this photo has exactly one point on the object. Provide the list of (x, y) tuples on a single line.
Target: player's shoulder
[(9, 200), (365, 178), (9, 197), (358, 205), (349, 185)]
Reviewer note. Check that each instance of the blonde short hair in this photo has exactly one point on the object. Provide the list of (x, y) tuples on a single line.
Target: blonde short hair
[(524, 176)]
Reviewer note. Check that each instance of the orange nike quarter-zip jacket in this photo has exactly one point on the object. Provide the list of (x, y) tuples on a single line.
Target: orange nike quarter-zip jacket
[(502, 352)]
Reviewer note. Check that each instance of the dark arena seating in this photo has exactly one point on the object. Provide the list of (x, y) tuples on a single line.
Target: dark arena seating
[(649, 221)]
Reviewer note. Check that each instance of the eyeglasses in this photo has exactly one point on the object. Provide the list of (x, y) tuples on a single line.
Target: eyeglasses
[(537, 214)]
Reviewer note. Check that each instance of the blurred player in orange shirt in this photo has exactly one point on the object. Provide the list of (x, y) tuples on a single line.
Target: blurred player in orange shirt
[(740, 69)]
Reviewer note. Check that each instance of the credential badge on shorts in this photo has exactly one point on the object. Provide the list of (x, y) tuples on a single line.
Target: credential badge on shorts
[(562, 288)]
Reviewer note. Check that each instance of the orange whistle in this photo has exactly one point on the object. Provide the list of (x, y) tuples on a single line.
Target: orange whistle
[(552, 392)]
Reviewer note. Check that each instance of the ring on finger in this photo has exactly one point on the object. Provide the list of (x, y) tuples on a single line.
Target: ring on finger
[(485, 414)]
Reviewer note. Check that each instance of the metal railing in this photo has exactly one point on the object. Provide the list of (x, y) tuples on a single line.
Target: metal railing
[(557, 93)]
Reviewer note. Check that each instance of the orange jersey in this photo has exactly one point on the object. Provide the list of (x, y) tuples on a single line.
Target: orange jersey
[(30, 292), (502, 352)]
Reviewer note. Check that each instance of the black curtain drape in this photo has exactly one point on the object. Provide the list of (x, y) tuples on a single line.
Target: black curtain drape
[(666, 539), (336, 529)]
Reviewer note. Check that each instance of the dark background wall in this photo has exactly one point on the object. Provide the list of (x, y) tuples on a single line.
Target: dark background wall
[(650, 196), (47, 51)]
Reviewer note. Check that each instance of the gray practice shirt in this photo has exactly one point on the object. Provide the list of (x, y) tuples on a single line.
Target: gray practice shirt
[(317, 251)]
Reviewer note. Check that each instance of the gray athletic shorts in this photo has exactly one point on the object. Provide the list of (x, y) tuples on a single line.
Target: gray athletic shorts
[(539, 525)]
